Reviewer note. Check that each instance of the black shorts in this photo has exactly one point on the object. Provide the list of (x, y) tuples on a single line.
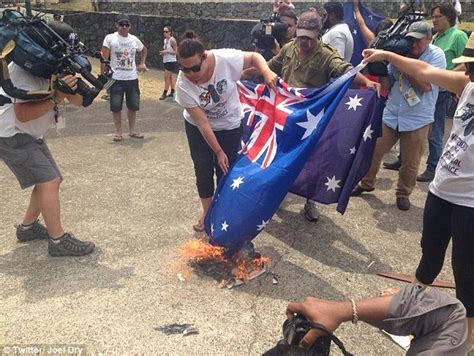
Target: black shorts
[(132, 95), (170, 66)]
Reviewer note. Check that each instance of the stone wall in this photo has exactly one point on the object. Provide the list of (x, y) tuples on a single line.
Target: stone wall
[(93, 27), (243, 9)]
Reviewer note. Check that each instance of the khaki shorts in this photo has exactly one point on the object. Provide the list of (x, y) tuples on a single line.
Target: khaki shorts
[(29, 159)]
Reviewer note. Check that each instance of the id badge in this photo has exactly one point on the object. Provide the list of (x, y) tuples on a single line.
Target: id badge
[(411, 97), (61, 124)]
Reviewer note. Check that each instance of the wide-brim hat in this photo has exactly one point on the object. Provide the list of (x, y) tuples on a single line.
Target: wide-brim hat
[(467, 55)]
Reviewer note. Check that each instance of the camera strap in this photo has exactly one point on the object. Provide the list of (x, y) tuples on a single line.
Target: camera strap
[(333, 337)]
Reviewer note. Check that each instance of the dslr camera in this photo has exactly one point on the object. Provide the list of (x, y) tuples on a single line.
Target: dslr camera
[(394, 39), (265, 33), (293, 332), (47, 51)]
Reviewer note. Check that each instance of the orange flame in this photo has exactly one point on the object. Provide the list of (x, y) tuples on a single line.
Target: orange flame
[(212, 257)]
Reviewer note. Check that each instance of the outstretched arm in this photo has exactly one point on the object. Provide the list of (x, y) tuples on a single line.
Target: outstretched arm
[(419, 70), (366, 32), (254, 59)]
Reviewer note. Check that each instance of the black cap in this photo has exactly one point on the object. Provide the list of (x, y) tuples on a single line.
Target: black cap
[(122, 17)]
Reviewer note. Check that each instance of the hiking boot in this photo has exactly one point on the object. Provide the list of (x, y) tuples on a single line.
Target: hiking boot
[(358, 190), (36, 232), (393, 166), (68, 245), (311, 212), (426, 176), (403, 203)]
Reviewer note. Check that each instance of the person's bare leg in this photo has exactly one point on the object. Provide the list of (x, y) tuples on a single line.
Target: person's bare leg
[(132, 118), (206, 203), (33, 210), (118, 122), (172, 81), (49, 205), (167, 80)]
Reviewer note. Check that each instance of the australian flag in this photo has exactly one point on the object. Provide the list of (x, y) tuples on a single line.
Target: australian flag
[(286, 125), (371, 20)]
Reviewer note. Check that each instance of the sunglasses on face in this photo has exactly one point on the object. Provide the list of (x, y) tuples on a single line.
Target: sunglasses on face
[(124, 24), (195, 68)]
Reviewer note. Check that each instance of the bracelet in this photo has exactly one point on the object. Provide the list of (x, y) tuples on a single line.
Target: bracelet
[(355, 316)]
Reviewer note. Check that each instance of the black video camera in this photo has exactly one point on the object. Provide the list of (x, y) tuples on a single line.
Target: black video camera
[(266, 32), (44, 52), (394, 39), (293, 332)]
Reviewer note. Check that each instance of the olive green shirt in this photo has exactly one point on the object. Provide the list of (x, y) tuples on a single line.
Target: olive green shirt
[(452, 42), (319, 68)]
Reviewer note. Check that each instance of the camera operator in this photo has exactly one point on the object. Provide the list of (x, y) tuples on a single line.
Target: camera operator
[(408, 115), (307, 62), (288, 16), (435, 319), (24, 150)]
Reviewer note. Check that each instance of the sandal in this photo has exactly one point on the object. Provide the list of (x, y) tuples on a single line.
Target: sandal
[(118, 138), (136, 135), (199, 226)]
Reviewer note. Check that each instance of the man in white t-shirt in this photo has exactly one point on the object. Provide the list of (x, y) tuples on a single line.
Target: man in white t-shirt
[(121, 47), (24, 150), (338, 34)]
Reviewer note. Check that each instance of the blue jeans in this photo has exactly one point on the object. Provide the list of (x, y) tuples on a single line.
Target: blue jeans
[(436, 135)]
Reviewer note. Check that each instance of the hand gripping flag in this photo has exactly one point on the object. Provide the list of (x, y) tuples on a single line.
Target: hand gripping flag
[(344, 152), (371, 20), (286, 126)]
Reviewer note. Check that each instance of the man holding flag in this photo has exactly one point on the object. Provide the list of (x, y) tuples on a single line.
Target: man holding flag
[(307, 62)]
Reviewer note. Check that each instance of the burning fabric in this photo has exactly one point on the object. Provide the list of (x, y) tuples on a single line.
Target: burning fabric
[(211, 261)]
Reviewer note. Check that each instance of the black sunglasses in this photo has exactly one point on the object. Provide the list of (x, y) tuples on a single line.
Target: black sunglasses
[(124, 24), (195, 68)]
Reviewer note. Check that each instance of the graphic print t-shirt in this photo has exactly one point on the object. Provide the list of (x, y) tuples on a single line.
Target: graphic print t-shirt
[(122, 55), (454, 179), (218, 97)]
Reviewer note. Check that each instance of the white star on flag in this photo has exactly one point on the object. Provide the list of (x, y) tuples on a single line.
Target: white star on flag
[(237, 182), (224, 226), (212, 229), (368, 133), (354, 102), (262, 225), (371, 17), (311, 124), (354, 32), (332, 183), (353, 150)]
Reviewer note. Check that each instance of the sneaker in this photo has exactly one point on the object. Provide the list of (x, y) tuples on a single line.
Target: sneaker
[(68, 245), (393, 166), (403, 203), (311, 212), (105, 97), (36, 232), (426, 176)]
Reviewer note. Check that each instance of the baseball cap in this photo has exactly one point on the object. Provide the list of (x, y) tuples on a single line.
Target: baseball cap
[(419, 30), (308, 24), (122, 17)]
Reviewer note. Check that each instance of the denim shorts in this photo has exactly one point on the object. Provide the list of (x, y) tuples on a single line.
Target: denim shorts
[(29, 159), (132, 95), (170, 66)]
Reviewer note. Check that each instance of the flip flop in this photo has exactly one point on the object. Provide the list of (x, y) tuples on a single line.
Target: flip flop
[(118, 138), (136, 135)]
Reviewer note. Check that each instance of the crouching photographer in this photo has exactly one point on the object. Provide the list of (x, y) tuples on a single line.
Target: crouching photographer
[(23, 148), (435, 319)]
